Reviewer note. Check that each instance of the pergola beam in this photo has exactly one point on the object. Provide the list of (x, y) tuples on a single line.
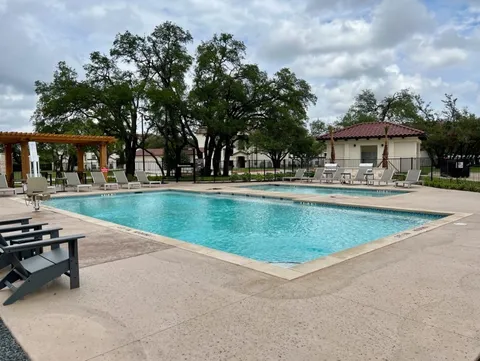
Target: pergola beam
[(25, 159), (9, 163), (80, 141), (17, 137)]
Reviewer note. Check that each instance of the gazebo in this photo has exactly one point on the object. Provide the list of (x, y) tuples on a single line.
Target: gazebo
[(80, 141)]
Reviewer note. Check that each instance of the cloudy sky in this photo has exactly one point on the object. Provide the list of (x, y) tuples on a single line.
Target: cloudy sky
[(339, 46)]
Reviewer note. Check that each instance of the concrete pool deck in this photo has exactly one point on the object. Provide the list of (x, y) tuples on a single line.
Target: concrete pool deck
[(417, 299)]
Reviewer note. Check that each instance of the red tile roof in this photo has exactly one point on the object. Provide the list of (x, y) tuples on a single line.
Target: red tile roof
[(373, 130), (157, 152)]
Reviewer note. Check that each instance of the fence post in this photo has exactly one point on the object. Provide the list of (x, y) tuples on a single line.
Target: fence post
[(284, 166), (274, 172), (194, 166), (264, 172), (249, 171), (431, 170)]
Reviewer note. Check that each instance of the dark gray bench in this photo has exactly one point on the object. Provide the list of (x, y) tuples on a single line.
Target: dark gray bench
[(22, 227), (40, 269), (20, 238), (24, 220)]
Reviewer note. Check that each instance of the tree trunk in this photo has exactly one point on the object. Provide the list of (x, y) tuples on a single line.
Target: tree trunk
[(226, 158), (208, 153), (130, 160), (276, 160), (178, 160), (217, 157)]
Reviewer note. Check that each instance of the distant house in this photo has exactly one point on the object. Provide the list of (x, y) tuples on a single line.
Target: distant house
[(243, 156), (150, 164), (363, 143)]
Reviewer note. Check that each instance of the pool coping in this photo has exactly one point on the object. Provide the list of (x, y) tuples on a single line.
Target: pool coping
[(264, 267)]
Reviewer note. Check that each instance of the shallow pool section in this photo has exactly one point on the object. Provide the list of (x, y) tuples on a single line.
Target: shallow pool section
[(266, 230), (344, 190)]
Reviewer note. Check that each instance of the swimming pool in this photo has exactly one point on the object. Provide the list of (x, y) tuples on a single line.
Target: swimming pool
[(266, 230), (353, 192)]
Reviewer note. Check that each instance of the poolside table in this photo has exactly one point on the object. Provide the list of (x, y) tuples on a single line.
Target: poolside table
[(369, 178), (329, 177), (345, 175), (63, 183)]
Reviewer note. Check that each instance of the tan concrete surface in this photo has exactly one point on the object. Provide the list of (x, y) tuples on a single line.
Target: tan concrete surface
[(418, 299)]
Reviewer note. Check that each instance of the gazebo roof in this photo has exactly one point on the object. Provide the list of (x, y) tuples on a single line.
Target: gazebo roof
[(18, 137), (373, 130)]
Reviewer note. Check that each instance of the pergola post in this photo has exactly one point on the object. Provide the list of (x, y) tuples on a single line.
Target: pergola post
[(80, 158), (9, 163), (103, 159), (25, 159)]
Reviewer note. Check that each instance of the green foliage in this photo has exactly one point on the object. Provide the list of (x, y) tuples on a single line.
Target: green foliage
[(258, 177), (400, 107), (246, 177), (142, 81), (318, 127), (235, 177), (452, 133), (455, 184), (306, 148)]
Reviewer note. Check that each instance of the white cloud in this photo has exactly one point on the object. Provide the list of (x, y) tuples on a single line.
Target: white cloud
[(340, 47), (431, 57)]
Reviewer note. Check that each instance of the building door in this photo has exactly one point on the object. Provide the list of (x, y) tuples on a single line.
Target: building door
[(240, 162), (369, 154)]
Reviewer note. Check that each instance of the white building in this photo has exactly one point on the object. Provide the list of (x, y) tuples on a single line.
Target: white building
[(2, 163), (242, 156), (364, 143)]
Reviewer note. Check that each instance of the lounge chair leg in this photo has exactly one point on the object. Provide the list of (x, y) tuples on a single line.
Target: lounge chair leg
[(74, 268), (11, 277), (31, 284)]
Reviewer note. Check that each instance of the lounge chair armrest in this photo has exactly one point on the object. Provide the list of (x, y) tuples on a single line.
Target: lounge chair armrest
[(23, 220), (43, 243), (22, 227), (32, 235)]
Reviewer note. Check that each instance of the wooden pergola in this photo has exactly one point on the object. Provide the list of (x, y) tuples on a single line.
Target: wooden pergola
[(80, 141)]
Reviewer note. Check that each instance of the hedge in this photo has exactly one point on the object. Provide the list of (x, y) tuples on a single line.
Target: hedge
[(456, 184)]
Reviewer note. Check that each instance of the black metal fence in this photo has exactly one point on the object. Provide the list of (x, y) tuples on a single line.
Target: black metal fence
[(265, 170)]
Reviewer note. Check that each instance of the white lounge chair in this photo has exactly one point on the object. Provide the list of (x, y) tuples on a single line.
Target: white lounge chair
[(298, 175), (37, 191), (74, 182), (317, 176), (337, 176), (99, 180), (50, 189), (4, 188), (386, 178), (413, 177), (123, 180), (360, 176), (143, 179)]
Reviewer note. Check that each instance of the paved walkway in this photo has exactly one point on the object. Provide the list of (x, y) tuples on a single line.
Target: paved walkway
[(418, 299)]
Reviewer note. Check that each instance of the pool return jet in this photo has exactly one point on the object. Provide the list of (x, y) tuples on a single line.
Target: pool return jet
[(36, 188)]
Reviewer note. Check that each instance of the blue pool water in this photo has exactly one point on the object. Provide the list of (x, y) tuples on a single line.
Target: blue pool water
[(261, 229), (353, 192)]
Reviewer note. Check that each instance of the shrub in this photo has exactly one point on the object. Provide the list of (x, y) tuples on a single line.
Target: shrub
[(258, 177), (246, 177), (456, 184), (235, 177)]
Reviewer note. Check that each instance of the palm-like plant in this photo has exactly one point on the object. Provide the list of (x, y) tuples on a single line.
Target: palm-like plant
[(385, 150), (332, 145)]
